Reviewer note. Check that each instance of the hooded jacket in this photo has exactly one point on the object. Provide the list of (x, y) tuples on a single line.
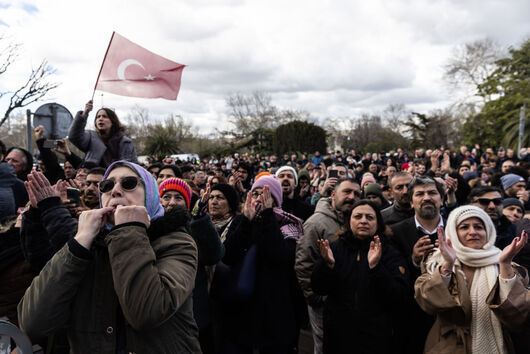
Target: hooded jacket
[(131, 291), (323, 224)]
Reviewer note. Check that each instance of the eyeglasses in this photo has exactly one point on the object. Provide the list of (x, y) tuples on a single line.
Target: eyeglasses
[(128, 183), (256, 194), (486, 201)]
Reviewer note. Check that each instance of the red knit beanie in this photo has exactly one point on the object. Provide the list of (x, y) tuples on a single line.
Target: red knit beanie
[(176, 184)]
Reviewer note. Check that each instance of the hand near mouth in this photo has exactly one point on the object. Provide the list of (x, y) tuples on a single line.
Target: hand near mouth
[(90, 224)]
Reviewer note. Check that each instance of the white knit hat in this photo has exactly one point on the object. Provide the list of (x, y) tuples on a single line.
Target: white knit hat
[(290, 169)]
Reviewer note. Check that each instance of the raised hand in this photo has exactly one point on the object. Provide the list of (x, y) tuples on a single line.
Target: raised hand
[(508, 253), (248, 210), (62, 147), (88, 107), (39, 132), (375, 252), (205, 194), (60, 188), (266, 198), (39, 188), (326, 253), (447, 250), (90, 223)]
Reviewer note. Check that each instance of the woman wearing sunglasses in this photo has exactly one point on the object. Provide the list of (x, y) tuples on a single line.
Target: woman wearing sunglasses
[(123, 283)]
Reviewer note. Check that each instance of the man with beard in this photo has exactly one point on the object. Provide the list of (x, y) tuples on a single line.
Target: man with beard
[(90, 196), (291, 203), (401, 208), (414, 238), (322, 225)]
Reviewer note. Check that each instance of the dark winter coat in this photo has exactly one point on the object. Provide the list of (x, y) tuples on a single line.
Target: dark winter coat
[(15, 273), (210, 251), (131, 292), (298, 208), (359, 310), (269, 320), (45, 230)]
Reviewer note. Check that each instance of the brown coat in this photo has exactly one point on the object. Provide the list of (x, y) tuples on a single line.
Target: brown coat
[(452, 307)]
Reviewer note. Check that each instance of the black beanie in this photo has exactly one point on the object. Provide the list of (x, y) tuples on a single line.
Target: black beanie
[(230, 194)]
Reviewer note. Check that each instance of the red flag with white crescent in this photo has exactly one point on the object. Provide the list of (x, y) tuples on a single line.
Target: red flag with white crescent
[(131, 70)]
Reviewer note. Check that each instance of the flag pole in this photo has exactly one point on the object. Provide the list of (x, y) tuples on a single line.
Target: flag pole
[(101, 68)]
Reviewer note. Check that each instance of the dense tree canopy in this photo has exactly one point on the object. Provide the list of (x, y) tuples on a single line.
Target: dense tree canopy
[(509, 87), (299, 136)]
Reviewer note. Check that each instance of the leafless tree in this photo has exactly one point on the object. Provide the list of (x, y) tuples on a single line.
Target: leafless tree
[(470, 65), (36, 86), (256, 111)]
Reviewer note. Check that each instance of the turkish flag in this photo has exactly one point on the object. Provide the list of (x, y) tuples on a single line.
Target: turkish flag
[(130, 70)]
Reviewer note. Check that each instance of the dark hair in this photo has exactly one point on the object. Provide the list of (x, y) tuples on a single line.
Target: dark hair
[(381, 226), (175, 169), (96, 171), (424, 181), (183, 169), (345, 179), (399, 174), (116, 124), (154, 165), (477, 192), (2, 148)]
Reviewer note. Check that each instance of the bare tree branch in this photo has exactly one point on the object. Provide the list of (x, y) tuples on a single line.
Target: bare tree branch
[(35, 88)]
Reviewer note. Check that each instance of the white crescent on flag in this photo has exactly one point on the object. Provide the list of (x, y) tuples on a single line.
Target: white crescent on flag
[(124, 64)]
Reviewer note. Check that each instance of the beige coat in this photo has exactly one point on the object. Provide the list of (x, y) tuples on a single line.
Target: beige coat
[(452, 306)]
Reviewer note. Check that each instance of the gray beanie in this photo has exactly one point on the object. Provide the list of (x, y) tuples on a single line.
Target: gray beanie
[(510, 179)]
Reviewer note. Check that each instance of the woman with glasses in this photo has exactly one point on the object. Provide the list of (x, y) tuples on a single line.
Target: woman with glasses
[(472, 287), (123, 282)]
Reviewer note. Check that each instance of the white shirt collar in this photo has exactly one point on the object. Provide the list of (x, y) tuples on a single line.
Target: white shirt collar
[(427, 232)]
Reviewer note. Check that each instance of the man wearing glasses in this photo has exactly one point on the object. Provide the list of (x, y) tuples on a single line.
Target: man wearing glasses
[(489, 199)]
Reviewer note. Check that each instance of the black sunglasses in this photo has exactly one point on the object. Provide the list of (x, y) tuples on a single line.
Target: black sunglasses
[(128, 183), (486, 201)]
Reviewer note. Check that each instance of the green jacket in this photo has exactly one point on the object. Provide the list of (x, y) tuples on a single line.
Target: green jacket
[(132, 292)]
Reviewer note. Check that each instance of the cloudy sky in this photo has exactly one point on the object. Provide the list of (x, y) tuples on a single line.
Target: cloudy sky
[(331, 58)]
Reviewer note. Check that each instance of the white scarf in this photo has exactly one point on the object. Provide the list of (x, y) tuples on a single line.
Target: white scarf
[(486, 329)]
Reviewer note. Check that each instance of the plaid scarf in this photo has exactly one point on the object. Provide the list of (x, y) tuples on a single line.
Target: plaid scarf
[(290, 225)]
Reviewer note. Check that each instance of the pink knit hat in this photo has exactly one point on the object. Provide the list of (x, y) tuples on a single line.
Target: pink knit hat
[(274, 186)]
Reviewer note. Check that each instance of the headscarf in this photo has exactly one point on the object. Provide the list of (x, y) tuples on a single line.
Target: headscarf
[(486, 330), (152, 198)]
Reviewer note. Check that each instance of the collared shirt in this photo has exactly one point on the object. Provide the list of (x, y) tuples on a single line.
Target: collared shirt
[(427, 232)]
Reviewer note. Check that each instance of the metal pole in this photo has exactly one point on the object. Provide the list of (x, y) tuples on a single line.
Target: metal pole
[(28, 129), (521, 129)]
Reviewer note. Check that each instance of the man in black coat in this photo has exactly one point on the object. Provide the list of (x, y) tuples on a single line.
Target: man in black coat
[(414, 238)]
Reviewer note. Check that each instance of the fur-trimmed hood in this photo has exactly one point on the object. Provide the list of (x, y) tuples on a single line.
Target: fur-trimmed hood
[(175, 219)]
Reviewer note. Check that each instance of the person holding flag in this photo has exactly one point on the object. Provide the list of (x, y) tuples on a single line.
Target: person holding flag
[(105, 145)]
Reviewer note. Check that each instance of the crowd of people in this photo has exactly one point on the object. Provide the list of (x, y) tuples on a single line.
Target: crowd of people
[(389, 252)]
